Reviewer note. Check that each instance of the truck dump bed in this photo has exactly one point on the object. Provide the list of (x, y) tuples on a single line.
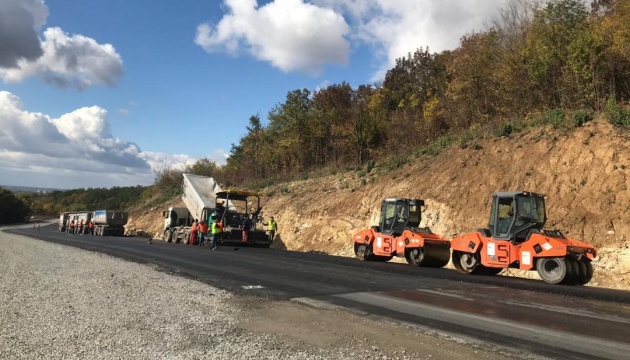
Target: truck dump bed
[(199, 193), (110, 217)]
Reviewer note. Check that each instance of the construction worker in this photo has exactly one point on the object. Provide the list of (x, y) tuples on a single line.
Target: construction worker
[(71, 227), (215, 229), (247, 226), (203, 232), (272, 227), (193, 233), (91, 227), (80, 229)]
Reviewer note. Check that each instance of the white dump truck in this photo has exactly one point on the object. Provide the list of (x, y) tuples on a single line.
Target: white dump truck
[(79, 221), (63, 221), (199, 195), (109, 222)]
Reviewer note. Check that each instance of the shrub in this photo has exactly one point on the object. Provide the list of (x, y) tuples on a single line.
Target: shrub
[(436, 147), (581, 117), (369, 166), (555, 118), (394, 162), (616, 114), (505, 129), (466, 138)]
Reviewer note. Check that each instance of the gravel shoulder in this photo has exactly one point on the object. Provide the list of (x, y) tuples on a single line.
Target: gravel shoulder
[(58, 302)]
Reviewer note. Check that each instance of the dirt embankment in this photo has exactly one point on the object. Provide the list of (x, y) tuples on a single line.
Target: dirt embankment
[(584, 174)]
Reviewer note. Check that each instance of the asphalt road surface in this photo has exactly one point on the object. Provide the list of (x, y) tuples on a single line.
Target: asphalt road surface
[(530, 316)]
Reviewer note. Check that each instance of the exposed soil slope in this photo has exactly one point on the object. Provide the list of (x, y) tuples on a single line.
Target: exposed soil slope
[(583, 172)]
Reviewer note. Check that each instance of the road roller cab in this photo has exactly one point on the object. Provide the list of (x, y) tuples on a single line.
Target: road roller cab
[(399, 234), (515, 238)]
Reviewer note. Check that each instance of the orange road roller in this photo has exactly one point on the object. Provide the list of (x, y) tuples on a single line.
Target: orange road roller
[(515, 238), (399, 234)]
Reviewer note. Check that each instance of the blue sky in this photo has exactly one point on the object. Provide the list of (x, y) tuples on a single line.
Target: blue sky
[(104, 93)]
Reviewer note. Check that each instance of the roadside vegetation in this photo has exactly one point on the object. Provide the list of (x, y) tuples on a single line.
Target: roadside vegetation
[(557, 63), (12, 208)]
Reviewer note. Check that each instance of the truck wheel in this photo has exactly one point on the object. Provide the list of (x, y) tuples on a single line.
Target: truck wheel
[(552, 270), (465, 263), (168, 236)]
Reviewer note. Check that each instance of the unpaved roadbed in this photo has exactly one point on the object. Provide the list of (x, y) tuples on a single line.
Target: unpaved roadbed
[(60, 302)]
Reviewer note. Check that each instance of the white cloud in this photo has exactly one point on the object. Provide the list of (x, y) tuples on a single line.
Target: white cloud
[(161, 161), (296, 35), (290, 34), (66, 61), (77, 145), (397, 27)]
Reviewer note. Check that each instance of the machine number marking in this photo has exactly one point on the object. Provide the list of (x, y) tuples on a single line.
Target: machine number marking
[(379, 241), (400, 243), (491, 249), (526, 258), (547, 246)]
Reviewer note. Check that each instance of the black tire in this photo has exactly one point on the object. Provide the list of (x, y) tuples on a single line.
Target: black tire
[(574, 276), (168, 236), (465, 263), (586, 271), (552, 270), (362, 252)]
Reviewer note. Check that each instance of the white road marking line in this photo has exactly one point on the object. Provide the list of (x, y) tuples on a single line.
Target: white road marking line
[(251, 287)]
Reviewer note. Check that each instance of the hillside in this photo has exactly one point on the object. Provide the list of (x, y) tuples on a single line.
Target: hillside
[(583, 172)]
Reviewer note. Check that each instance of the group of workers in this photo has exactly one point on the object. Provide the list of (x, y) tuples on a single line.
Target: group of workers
[(81, 228), (199, 230)]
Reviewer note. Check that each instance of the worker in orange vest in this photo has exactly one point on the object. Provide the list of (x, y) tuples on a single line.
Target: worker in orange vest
[(203, 232), (193, 233)]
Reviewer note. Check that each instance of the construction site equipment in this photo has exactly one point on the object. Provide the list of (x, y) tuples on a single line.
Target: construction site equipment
[(84, 218), (232, 208), (199, 196), (399, 234), (63, 221), (515, 238), (68, 217), (109, 222), (177, 223)]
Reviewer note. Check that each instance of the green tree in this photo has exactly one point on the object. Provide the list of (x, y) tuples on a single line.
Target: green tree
[(12, 209), (290, 123)]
